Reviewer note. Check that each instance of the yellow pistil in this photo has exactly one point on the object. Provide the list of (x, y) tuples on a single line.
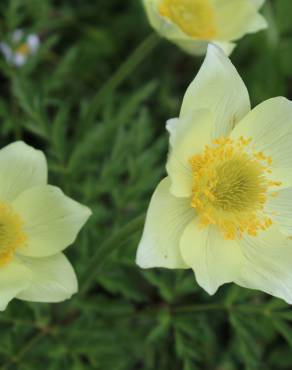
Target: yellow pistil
[(12, 236), (23, 49), (230, 187), (196, 18)]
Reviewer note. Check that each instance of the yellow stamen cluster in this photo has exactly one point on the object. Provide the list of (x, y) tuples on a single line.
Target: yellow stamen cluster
[(231, 186), (11, 233), (196, 18), (23, 49)]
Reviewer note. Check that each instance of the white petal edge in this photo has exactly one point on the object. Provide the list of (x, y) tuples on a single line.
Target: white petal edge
[(21, 167), (259, 23), (14, 277), (215, 261), (53, 279), (51, 220), (219, 88), (166, 219), (171, 127)]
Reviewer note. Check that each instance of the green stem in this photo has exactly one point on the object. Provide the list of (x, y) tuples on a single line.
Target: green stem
[(107, 248), (27, 348), (272, 31), (125, 69)]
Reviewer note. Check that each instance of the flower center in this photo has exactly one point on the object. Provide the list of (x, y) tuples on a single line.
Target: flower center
[(11, 233), (196, 18), (23, 49), (231, 186)]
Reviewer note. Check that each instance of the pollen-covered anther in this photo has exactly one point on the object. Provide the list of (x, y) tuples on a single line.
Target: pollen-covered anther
[(230, 187)]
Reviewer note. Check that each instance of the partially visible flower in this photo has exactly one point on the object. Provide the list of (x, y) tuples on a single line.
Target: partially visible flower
[(37, 222), (192, 24), (19, 48), (225, 209)]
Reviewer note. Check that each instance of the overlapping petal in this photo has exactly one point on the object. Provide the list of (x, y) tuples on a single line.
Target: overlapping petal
[(53, 279), (214, 261), (171, 31), (213, 104), (188, 142), (233, 19), (219, 88), (267, 267), (51, 220), (269, 125), (14, 277), (21, 167), (166, 219), (236, 18)]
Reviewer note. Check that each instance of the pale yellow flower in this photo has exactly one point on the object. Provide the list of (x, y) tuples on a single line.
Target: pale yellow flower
[(192, 24), (37, 222), (225, 209)]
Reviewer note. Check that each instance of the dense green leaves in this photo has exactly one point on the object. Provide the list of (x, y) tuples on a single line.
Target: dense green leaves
[(103, 132)]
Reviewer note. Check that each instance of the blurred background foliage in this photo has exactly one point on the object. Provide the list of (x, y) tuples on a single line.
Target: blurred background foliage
[(103, 133)]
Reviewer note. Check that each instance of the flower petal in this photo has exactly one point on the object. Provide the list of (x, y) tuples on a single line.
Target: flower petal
[(14, 277), (232, 24), (187, 143), (166, 28), (215, 261), (51, 220), (280, 209), (258, 3), (172, 128), (17, 35), (6, 51), (189, 45), (53, 279), (257, 24), (270, 127), (34, 42), (227, 47), (21, 167), (268, 264), (219, 88), (166, 219), (236, 18)]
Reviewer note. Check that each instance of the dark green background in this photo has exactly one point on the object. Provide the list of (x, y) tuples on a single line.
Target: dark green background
[(106, 145)]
